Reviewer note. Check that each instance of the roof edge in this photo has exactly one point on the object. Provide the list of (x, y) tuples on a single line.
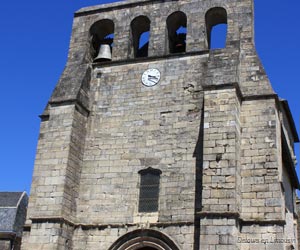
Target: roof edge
[(290, 163), (291, 121), (117, 5)]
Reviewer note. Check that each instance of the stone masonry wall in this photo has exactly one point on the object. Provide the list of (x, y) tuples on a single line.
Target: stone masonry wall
[(261, 170), (49, 236), (104, 238), (57, 164), (221, 129), (56, 176), (5, 244), (211, 126), (220, 192), (239, 36), (133, 127)]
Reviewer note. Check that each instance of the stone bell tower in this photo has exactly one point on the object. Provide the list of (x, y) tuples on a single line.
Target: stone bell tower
[(153, 140)]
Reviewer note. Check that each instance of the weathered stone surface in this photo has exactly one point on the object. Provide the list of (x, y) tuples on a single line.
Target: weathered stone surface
[(212, 126)]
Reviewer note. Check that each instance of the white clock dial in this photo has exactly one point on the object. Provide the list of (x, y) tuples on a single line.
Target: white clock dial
[(151, 77)]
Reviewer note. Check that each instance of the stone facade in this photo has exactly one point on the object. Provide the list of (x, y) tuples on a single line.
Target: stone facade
[(213, 126)]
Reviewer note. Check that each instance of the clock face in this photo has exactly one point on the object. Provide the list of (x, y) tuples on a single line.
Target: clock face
[(151, 77)]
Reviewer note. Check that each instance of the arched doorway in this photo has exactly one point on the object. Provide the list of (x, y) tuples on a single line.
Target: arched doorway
[(144, 239)]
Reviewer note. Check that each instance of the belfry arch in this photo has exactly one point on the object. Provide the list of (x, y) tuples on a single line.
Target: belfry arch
[(214, 17), (144, 240)]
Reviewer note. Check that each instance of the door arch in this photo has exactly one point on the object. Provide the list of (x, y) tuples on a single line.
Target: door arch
[(147, 248), (144, 239)]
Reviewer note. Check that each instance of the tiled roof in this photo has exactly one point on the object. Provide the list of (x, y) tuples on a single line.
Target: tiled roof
[(12, 211), (10, 199)]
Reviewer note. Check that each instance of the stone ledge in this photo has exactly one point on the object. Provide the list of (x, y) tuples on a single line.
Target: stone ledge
[(45, 116), (62, 220), (236, 215), (149, 59), (262, 222), (8, 235), (219, 215)]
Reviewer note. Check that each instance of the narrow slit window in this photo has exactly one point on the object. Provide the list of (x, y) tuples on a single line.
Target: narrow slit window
[(177, 30), (140, 28), (149, 190), (216, 28)]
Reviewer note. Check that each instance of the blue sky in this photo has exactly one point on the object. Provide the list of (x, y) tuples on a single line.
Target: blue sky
[(34, 40)]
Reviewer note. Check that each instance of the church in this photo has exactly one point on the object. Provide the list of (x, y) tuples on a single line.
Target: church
[(154, 140)]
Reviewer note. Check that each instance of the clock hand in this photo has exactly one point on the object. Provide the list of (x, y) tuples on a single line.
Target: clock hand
[(150, 76), (152, 80)]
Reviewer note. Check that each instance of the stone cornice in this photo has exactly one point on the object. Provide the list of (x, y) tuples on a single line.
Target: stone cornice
[(115, 6), (83, 226)]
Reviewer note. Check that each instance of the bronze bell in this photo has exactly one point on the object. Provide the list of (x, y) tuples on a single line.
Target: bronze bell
[(104, 53)]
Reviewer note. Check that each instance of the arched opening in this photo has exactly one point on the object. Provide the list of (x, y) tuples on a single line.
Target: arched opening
[(140, 27), (216, 27), (144, 239), (102, 36), (177, 30)]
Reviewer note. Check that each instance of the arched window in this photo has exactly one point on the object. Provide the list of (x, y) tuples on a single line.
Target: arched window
[(149, 190), (216, 27), (140, 27), (176, 25), (102, 35)]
